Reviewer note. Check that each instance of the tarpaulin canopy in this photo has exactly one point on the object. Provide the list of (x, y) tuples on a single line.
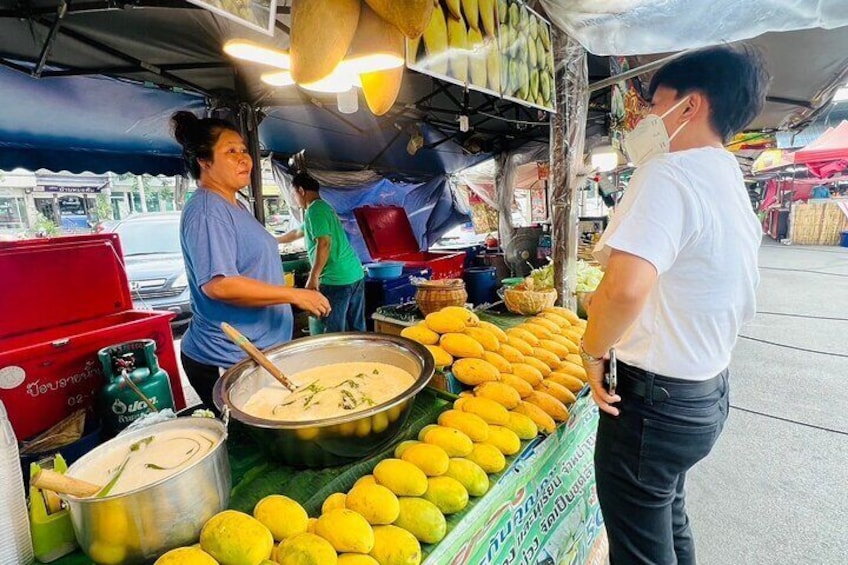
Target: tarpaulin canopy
[(828, 154)]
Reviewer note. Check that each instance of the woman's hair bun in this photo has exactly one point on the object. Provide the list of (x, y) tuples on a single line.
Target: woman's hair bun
[(185, 126)]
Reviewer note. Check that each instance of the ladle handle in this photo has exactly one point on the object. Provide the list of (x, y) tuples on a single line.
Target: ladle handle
[(46, 479), (254, 353)]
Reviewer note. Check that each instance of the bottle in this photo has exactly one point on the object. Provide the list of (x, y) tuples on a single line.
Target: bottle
[(15, 537)]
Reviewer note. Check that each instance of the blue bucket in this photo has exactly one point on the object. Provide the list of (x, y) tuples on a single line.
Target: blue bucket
[(843, 239), (481, 283)]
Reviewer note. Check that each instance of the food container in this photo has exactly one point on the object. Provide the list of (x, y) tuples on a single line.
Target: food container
[(384, 270), (141, 524), (432, 296), (332, 441)]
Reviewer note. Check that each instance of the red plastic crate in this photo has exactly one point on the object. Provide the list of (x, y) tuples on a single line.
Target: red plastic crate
[(63, 299), (389, 236)]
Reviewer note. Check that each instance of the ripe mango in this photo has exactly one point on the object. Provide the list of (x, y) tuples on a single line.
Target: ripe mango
[(538, 331), (489, 410), (453, 441), (470, 424), (574, 334), (393, 545), (488, 457), (421, 518), (424, 431), (501, 393), (570, 376), (333, 502), (468, 317), (186, 556), (510, 353), (485, 338), (522, 426), (556, 318), (468, 474), (522, 387), (537, 364), (461, 345), (377, 504), (565, 313), (541, 418), (282, 515), (306, 548), (549, 325), (431, 459), (558, 349), (356, 559), (442, 323), (365, 480), (575, 359), (473, 372), (458, 42), (420, 333), (546, 357), (346, 530), (504, 439), (499, 362), (519, 344), (557, 391), (321, 33), (401, 477), (524, 335), (441, 358), (447, 494), (403, 446), (499, 333), (529, 373), (236, 538), (411, 16), (310, 526), (549, 404), (436, 41)]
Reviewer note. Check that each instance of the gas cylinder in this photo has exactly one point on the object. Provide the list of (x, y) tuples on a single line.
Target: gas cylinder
[(135, 384)]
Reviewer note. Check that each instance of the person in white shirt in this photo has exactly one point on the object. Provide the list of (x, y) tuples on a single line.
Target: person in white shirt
[(681, 275)]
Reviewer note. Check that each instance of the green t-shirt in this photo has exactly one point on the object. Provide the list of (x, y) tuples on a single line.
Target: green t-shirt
[(343, 266)]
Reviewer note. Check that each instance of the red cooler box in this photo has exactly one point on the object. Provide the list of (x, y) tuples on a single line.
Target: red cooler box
[(389, 237), (62, 299)]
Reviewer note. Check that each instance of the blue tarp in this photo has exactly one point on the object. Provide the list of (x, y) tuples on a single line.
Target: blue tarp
[(88, 124)]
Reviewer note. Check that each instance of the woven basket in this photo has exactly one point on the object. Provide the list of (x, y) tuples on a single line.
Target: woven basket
[(432, 296), (528, 302)]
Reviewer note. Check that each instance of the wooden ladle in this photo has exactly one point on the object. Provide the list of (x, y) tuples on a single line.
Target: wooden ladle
[(254, 353), (46, 479)]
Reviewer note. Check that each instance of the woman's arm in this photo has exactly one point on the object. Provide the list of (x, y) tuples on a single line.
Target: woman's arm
[(251, 293)]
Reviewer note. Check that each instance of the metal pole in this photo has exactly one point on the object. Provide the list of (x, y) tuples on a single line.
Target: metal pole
[(250, 131), (568, 139), (646, 68)]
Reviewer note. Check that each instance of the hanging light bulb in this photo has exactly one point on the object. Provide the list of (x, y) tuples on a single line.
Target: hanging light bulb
[(348, 101), (255, 53), (279, 78), (340, 80)]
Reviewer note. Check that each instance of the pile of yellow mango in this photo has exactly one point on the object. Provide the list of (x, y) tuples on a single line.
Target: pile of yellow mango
[(532, 369)]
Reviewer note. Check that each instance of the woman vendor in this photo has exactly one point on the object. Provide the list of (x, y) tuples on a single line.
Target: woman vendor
[(233, 264)]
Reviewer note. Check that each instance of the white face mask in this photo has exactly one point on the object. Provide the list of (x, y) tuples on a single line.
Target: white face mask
[(649, 138)]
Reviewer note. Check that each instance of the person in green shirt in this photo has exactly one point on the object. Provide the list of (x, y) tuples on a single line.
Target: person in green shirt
[(336, 269)]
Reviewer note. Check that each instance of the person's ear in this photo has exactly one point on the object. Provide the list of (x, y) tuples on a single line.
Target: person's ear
[(694, 105)]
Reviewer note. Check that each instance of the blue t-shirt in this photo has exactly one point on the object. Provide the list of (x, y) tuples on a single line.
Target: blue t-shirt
[(222, 239)]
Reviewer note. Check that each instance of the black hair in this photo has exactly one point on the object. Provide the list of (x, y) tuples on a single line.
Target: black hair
[(306, 182), (197, 137), (733, 79)]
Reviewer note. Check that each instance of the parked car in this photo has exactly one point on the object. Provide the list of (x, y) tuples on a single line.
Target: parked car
[(154, 263)]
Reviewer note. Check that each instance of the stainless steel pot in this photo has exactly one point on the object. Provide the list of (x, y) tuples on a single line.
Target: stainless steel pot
[(333, 441), (140, 525)]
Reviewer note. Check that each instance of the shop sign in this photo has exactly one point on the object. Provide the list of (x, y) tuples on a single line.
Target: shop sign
[(73, 189)]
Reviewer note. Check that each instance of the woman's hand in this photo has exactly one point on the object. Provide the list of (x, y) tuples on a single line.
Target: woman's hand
[(312, 301)]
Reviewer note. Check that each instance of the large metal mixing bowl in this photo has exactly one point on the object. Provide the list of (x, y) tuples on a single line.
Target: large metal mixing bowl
[(338, 440), (137, 526)]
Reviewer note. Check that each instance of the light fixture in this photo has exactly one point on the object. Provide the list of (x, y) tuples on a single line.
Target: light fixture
[(348, 101), (255, 53), (340, 80), (841, 94), (605, 158), (377, 45), (416, 142), (278, 78)]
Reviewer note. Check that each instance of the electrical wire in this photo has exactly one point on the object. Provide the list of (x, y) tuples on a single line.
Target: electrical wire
[(789, 420), (786, 346)]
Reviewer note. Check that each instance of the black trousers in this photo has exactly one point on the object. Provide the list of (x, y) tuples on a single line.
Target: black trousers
[(202, 378), (641, 460)]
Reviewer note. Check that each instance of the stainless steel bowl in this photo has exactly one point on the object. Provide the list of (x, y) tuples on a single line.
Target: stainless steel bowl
[(140, 525), (333, 441)]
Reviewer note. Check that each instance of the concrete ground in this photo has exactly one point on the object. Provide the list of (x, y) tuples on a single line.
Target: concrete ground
[(774, 490)]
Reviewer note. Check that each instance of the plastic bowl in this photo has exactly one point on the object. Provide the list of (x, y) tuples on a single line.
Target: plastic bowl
[(384, 270)]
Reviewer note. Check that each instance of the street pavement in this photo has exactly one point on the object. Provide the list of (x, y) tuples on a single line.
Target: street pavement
[(773, 491)]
